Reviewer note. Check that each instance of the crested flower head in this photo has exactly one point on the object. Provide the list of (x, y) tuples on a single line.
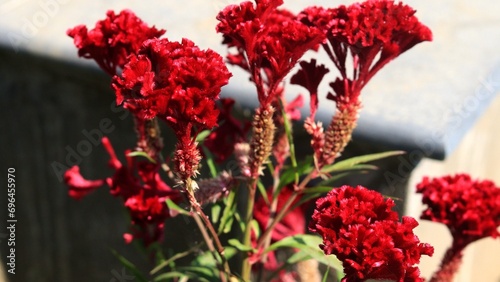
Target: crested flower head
[(113, 39), (469, 208), (268, 42), (175, 81), (374, 32), (360, 228)]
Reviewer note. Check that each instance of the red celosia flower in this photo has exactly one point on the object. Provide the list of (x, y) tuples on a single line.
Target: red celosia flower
[(139, 185), (470, 208), (175, 81), (309, 76), (221, 141), (268, 42), (360, 228), (79, 187), (374, 29), (178, 83), (113, 39), (372, 33)]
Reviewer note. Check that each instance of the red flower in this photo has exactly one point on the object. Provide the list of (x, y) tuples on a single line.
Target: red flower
[(221, 141), (368, 30), (470, 208), (360, 228), (175, 81), (79, 187), (139, 185), (113, 39), (268, 42)]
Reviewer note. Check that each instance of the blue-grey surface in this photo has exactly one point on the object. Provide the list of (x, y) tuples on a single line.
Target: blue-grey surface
[(425, 100)]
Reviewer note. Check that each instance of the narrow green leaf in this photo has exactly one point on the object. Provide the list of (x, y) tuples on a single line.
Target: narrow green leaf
[(288, 175), (175, 207), (130, 266), (209, 159), (215, 211), (344, 164), (202, 135), (263, 192), (325, 276), (240, 246), (171, 275), (228, 212), (309, 245), (141, 154), (255, 226)]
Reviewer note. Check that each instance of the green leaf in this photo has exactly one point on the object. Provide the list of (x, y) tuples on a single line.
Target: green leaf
[(141, 154), (349, 163), (209, 159), (130, 266), (288, 175), (309, 245), (175, 207), (207, 258), (263, 192), (171, 275), (202, 135), (216, 209), (255, 226), (227, 215), (325, 276), (240, 246)]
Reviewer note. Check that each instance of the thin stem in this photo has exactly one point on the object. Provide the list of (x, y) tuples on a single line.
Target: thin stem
[(284, 210), (201, 218), (246, 267)]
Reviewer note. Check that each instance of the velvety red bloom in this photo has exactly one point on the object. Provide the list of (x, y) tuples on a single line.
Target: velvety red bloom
[(360, 228), (175, 81), (268, 42), (113, 39), (221, 141), (470, 208), (79, 187), (139, 185), (374, 32), (310, 76)]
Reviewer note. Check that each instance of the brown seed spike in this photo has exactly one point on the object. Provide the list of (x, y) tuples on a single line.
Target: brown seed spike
[(262, 139)]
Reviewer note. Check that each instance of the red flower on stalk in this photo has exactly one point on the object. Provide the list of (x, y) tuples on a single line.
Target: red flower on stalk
[(372, 33), (139, 185), (178, 83), (175, 81), (113, 39), (268, 42), (360, 228), (469, 208)]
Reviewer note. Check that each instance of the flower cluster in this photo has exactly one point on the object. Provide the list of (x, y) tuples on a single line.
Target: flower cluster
[(113, 39), (360, 228), (469, 208), (268, 42), (178, 83), (371, 33), (144, 194)]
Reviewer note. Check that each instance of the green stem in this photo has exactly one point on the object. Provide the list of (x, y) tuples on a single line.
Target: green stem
[(246, 267), (283, 211)]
